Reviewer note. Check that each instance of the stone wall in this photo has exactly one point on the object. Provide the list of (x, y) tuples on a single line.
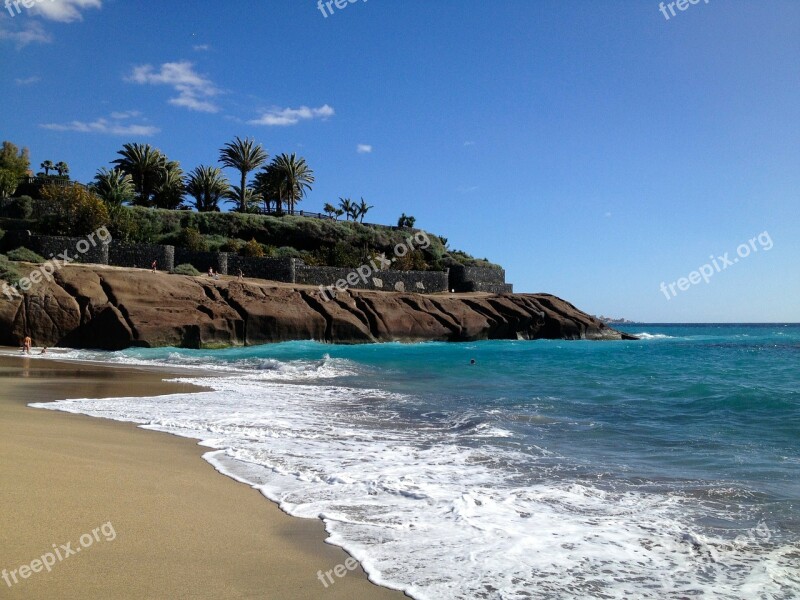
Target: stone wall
[(79, 249), (275, 269), (400, 281), (202, 261), (287, 270), (141, 256), (482, 286), (479, 279)]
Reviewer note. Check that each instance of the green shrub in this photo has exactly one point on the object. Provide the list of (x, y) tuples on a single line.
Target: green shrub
[(231, 245), (77, 210), (185, 269), (191, 239), (8, 182), (288, 252), (22, 254), (8, 271), (215, 242), (345, 255), (121, 225), (252, 249), (20, 208), (412, 261)]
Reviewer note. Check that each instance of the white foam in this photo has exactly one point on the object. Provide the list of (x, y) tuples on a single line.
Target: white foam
[(652, 336), (252, 368), (428, 514)]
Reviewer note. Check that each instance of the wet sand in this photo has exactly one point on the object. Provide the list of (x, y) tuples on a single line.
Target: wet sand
[(182, 530)]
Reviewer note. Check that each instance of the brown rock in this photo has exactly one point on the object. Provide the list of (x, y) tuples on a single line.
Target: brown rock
[(112, 308)]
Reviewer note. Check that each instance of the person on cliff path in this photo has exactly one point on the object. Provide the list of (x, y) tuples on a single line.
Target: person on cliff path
[(154, 266)]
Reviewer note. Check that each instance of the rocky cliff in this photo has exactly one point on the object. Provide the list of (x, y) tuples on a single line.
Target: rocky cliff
[(113, 308)]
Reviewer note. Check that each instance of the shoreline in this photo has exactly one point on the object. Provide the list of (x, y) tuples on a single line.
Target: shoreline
[(182, 528)]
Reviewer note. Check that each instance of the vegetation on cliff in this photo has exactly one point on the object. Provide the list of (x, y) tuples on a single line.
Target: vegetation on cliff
[(142, 199)]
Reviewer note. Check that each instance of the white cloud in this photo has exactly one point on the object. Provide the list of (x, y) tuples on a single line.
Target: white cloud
[(32, 32), (364, 148), (64, 11), (292, 116), (28, 80), (194, 90), (466, 189), (125, 115), (469, 143), (111, 126), (201, 48)]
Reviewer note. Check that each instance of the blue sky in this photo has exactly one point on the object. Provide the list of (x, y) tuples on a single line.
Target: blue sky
[(595, 149)]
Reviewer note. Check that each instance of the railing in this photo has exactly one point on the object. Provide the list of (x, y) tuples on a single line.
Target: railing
[(324, 216), (49, 180)]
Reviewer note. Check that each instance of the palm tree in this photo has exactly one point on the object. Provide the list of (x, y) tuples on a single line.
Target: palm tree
[(170, 188), (207, 185), (251, 198), (61, 168), (244, 156), (329, 209), (347, 207), (114, 186), (362, 209), (48, 166), (295, 176), (144, 164), (269, 184)]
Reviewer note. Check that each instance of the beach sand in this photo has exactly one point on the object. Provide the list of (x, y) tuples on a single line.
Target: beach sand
[(182, 529)]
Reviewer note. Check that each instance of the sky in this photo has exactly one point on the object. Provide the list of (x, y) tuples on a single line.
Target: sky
[(595, 149)]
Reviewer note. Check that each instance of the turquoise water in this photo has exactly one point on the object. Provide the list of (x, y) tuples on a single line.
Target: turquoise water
[(666, 467)]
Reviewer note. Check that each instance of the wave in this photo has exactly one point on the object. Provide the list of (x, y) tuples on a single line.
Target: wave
[(269, 369), (437, 517)]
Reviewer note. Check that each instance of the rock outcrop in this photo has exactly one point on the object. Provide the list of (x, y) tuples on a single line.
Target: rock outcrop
[(112, 308)]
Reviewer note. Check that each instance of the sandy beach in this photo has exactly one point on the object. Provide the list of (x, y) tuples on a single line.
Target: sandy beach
[(180, 529)]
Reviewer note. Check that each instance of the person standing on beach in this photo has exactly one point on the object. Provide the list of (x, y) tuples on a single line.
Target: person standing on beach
[(154, 266), (26, 344)]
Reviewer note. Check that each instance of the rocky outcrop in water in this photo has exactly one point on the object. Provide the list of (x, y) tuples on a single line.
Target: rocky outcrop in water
[(113, 308)]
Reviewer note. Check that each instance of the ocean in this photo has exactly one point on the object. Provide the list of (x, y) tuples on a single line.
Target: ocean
[(662, 468)]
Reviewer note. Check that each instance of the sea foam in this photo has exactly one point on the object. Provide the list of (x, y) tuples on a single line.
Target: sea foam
[(440, 508)]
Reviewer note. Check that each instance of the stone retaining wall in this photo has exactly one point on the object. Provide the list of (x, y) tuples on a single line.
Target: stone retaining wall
[(141, 256), (479, 279), (400, 281), (287, 270), (79, 249)]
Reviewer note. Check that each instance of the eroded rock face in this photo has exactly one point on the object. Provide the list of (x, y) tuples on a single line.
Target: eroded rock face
[(112, 309)]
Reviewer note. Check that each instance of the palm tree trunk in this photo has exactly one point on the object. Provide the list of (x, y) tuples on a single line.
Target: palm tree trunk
[(242, 202)]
